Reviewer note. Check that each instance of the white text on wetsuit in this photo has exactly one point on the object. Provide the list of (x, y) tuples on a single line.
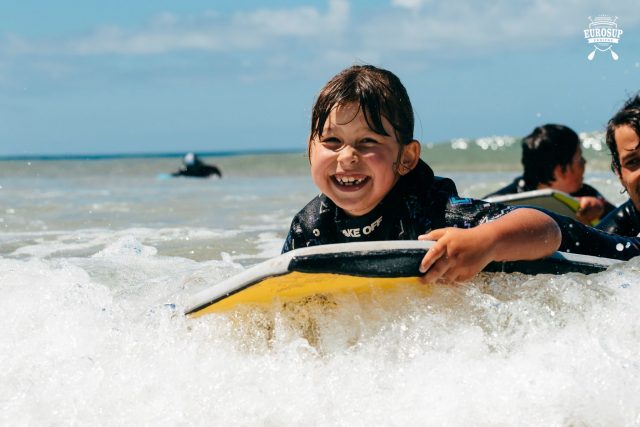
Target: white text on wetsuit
[(358, 232)]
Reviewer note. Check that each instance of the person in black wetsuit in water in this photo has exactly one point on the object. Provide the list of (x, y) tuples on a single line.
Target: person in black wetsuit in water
[(623, 140), (552, 158), (375, 187), (194, 167)]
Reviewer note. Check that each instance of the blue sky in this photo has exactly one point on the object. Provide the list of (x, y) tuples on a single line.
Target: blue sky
[(151, 76)]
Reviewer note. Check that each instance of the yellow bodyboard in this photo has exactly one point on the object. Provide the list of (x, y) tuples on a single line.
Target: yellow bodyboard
[(295, 285), (359, 268)]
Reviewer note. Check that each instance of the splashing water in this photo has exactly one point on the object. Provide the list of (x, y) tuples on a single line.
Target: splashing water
[(88, 338)]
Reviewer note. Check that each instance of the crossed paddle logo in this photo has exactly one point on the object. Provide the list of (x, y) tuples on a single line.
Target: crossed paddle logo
[(603, 33)]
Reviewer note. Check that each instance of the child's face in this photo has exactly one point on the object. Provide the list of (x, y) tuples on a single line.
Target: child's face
[(351, 164), (627, 142), (570, 179)]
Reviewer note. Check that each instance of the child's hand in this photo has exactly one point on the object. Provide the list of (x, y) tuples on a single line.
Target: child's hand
[(458, 255), (591, 209)]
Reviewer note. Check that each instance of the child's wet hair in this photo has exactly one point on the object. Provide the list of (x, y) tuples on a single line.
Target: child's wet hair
[(544, 148), (378, 92), (628, 115)]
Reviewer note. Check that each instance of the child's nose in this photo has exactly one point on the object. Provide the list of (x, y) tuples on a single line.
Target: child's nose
[(348, 154)]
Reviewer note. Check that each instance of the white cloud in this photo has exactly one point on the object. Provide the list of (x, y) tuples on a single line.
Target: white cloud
[(113, 40), (15, 44), (299, 22), (445, 28), (467, 26), (409, 4), (209, 31)]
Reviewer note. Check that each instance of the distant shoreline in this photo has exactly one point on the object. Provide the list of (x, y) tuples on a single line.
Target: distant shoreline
[(144, 155)]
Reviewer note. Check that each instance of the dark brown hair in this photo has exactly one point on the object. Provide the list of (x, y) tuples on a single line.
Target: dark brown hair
[(378, 92), (628, 115), (545, 148)]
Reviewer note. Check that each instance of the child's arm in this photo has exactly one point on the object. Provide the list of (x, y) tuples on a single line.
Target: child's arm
[(459, 253)]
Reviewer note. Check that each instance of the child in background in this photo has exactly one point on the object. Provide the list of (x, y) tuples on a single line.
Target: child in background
[(623, 140), (552, 158), (375, 187)]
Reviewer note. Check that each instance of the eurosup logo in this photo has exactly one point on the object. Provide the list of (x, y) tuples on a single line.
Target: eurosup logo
[(603, 33)]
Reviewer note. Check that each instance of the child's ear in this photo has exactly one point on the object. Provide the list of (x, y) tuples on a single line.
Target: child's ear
[(410, 157), (558, 172)]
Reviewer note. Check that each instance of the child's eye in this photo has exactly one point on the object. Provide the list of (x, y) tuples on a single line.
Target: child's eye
[(632, 163), (331, 142), (368, 142)]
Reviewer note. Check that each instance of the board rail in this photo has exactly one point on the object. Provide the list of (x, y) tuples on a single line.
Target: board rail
[(382, 259)]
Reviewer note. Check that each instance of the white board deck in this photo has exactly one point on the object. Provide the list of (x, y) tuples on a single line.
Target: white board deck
[(553, 200), (340, 267)]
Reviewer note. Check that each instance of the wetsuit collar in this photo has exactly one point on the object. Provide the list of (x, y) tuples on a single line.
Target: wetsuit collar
[(420, 178), (417, 181)]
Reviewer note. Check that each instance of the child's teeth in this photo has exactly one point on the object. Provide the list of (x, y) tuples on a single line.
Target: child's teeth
[(350, 180)]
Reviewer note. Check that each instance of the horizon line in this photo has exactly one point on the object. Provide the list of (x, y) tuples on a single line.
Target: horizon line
[(146, 155)]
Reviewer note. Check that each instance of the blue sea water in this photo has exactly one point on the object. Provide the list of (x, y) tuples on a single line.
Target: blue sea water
[(91, 250)]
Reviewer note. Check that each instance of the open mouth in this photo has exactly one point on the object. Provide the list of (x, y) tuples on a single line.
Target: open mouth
[(350, 181)]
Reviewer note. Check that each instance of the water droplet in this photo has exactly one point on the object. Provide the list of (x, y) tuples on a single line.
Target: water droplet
[(577, 243), (627, 245), (619, 247)]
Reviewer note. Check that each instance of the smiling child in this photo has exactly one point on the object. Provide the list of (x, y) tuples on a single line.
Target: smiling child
[(374, 186)]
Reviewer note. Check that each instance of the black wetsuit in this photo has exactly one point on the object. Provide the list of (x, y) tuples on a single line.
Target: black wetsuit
[(624, 221), (419, 203), (198, 170), (519, 186)]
